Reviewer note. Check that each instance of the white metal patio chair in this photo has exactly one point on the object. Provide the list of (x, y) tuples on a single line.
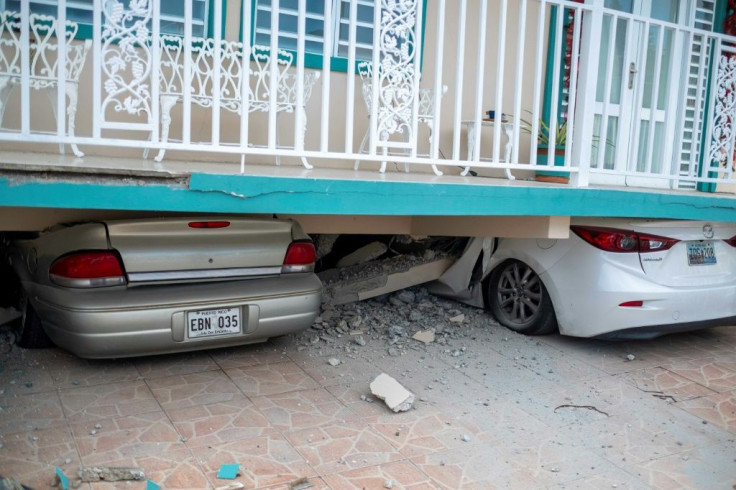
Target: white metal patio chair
[(231, 78), (44, 63), (425, 110)]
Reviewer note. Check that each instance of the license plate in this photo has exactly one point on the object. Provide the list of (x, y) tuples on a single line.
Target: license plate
[(213, 323), (701, 253)]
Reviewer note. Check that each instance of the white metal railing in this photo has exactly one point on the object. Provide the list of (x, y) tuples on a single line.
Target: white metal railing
[(593, 86)]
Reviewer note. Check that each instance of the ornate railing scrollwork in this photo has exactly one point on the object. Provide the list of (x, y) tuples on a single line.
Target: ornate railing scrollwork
[(127, 59), (397, 76)]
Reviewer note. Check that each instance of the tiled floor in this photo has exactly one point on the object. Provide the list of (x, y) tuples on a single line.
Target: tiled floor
[(506, 411)]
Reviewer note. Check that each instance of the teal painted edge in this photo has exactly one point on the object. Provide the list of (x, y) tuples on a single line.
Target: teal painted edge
[(548, 81), (209, 193), (85, 30), (721, 11), (314, 60)]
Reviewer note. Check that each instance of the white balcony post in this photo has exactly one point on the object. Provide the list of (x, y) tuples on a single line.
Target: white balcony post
[(25, 68), (61, 72), (584, 112)]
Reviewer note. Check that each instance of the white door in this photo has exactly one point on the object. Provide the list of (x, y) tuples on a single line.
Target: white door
[(636, 104)]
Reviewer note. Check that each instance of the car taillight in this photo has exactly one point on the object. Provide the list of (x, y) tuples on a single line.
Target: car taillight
[(299, 257), (731, 241), (209, 224), (88, 270), (622, 241)]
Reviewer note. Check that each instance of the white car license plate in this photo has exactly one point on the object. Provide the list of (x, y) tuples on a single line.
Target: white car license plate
[(212, 323), (701, 253)]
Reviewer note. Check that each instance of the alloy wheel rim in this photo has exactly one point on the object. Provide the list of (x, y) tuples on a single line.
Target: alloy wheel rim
[(519, 293)]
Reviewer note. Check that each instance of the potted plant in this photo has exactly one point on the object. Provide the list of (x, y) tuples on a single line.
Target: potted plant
[(544, 147)]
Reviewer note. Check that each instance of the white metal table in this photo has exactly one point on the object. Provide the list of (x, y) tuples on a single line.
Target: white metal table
[(506, 131)]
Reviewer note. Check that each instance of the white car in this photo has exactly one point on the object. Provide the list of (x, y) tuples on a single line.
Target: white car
[(612, 278)]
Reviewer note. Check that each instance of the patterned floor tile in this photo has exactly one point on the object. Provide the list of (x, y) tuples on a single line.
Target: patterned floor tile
[(614, 478), (193, 389), (689, 469), (718, 409), (25, 373), (126, 438), (644, 435), (27, 412), (69, 371), (350, 370), (264, 461), (248, 355), (705, 372), (107, 401), (301, 409), (219, 423), (359, 399), (665, 384), (476, 468), (271, 379), (401, 474), (152, 367), (422, 431), (493, 422), (32, 456), (342, 446)]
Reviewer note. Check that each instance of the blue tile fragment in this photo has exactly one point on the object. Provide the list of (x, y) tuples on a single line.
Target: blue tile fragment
[(63, 480), (228, 471)]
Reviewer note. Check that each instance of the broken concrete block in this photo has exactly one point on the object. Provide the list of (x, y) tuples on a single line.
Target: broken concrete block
[(426, 336), (333, 361), (364, 254), (110, 473), (458, 318), (396, 397), (231, 486)]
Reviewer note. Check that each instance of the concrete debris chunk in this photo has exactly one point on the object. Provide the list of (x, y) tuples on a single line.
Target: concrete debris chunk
[(334, 361), (396, 397), (406, 296), (110, 473), (457, 318), (231, 486), (11, 484), (364, 254), (630, 357), (426, 336), (300, 484)]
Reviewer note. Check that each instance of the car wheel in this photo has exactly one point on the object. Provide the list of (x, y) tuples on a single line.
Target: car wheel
[(31, 334), (519, 300)]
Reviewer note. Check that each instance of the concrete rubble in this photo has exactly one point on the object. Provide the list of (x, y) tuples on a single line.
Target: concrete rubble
[(110, 473), (396, 397)]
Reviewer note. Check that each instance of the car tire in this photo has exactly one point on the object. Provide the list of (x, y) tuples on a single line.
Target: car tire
[(31, 334), (518, 299)]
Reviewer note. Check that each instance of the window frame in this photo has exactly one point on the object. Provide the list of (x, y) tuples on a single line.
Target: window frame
[(337, 63), (86, 31)]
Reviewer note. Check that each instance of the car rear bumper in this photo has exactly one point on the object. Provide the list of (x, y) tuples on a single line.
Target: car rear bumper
[(653, 331), (136, 321), (585, 311)]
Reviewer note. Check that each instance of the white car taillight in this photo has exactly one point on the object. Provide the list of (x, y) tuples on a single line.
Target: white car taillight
[(299, 257), (89, 269)]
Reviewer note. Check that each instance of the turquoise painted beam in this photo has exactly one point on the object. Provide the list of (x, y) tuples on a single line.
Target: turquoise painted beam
[(252, 194)]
